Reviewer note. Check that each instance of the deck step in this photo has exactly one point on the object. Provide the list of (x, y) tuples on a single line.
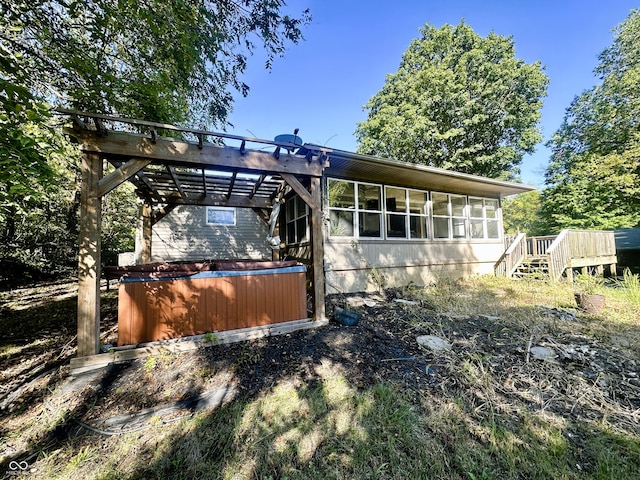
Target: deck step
[(532, 267)]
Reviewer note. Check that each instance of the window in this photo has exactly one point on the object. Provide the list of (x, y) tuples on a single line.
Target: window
[(483, 213), (396, 203), (342, 205), (221, 216), (297, 213), (355, 207), (407, 213), (365, 210), (369, 210), (418, 214), (449, 215)]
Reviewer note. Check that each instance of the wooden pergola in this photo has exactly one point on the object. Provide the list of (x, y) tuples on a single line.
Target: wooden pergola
[(169, 172)]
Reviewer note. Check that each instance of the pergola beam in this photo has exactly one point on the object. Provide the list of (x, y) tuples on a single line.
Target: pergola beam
[(239, 201), (300, 189), (121, 175), (256, 187), (175, 152), (162, 212), (176, 181), (204, 182), (232, 182)]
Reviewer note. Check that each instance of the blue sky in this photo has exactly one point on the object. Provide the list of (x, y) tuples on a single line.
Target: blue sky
[(321, 84)]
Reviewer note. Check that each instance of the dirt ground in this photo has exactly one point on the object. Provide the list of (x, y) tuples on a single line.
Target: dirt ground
[(587, 376)]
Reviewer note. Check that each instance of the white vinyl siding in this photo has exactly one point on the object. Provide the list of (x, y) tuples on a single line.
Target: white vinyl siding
[(184, 234)]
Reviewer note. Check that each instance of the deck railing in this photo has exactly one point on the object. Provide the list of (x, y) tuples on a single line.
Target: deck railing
[(512, 256), (538, 246), (571, 249), (559, 255), (591, 243)]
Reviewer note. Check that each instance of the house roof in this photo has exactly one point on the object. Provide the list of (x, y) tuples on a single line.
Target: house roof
[(344, 164), (174, 171)]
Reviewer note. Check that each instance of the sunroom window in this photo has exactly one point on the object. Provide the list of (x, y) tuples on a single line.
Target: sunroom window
[(449, 215), (342, 206), (396, 203), (483, 213), (369, 210), (418, 214)]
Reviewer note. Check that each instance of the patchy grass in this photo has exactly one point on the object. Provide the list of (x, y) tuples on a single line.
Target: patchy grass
[(326, 404)]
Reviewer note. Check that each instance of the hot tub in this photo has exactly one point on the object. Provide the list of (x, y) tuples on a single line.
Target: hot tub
[(162, 301)]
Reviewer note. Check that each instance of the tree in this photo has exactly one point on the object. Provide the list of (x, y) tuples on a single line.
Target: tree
[(27, 145), (595, 191), (520, 213), (593, 177), (165, 61), (458, 101)]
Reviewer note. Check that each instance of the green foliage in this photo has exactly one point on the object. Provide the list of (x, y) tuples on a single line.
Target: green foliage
[(211, 337), (458, 101), (164, 61), (35, 179), (630, 285), (119, 220), (594, 191), (520, 213), (589, 284), (27, 141), (593, 178)]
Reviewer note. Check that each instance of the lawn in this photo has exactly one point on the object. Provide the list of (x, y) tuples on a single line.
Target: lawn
[(339, 402)]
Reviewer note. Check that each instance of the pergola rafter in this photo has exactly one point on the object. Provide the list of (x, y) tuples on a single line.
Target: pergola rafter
[(168, 172)]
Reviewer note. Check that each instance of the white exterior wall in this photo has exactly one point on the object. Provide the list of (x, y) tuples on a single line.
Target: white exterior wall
[(354, 263), (354, 266), (185, 235), (358, 266)]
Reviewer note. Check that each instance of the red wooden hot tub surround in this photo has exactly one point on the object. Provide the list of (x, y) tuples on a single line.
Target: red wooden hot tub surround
[(162, 301)]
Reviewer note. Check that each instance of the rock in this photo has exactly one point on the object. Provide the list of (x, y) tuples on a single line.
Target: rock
[(544, 354), (562, 315), (434, 343), (621, 341), (405, 302)]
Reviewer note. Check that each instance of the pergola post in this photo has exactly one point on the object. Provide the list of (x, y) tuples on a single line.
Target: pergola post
[(147, 225), (317, 249), (314, 200), (89, 257)]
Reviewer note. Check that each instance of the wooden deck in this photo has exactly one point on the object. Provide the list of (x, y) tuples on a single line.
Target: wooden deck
[(555, 256)]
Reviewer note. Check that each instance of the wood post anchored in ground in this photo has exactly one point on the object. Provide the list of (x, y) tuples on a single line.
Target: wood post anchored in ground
[(89, 257)]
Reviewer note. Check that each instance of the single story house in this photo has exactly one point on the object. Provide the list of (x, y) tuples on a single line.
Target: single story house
[(353, 222), (385, 223)]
